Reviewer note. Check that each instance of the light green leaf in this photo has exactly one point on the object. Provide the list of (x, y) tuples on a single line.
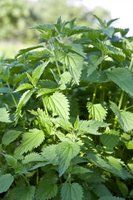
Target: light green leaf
[(75, 65), (127, 118), (24, 86), (44, 91), (11, 161), (49, 154), (118, 167), (58, 104), (66, 151), (5, 182), (23, 100), (4, 115), (38, 71), (72, 191), (77, 48), (130, 165), (32, 157), (90, 126), (93, 63), (116, 111), (124, 117), (10, 136), (65, 78), (123, 78), (109, 49), (97, 111), (31, 140), (129, 144)]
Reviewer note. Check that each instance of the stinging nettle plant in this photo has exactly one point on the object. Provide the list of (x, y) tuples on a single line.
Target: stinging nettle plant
[(66, 115)]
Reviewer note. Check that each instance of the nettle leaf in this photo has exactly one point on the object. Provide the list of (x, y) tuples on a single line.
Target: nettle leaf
[(110, 50), (24, 86), (23, 100), (45, 91), (50, 155), (72, 191), (113, 165), (75, 65), (127, 118), (46, 190), (6, 181), (11, 161), (10, 136), (116, 111), (90, 126), (96, 111), (101, 190), (93, 63), (82, 126), (22, 193), (123, 188), (4, 90), (65, 78), (31, 140), (123, 78), (38, 71), (109, 141), (4, 115), (119, 167), (66, 151), (111, 198), (58, 104), (79, 170), (124, 117), (32, 157), (129, 144), (77, 48), (23, 51)]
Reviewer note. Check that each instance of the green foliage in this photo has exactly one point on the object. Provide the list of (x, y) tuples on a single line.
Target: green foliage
[(66, 152), (96, 111), (118, 74), (47, 189), (4, 115), (69, 132), (71, 191), (58, 104), (10, 136), (5, 182), (31, 140), (27, 193)]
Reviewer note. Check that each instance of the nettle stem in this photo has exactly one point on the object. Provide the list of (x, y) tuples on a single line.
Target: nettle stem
[(121, 100), (119, 107), (13, 98), (55, 57), (94, 94), (58, 68)]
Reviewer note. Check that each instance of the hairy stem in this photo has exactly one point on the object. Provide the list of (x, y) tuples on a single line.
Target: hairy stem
[(13, 98), (121, 100), (94, 94)]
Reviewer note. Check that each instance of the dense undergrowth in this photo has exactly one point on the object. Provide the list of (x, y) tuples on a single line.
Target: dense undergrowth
[(66, 116)]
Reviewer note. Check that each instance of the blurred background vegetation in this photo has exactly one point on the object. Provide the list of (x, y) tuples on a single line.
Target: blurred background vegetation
[(17, 17)]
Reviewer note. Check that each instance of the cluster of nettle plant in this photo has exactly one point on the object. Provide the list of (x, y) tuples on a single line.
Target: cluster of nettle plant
[(66, 116)]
